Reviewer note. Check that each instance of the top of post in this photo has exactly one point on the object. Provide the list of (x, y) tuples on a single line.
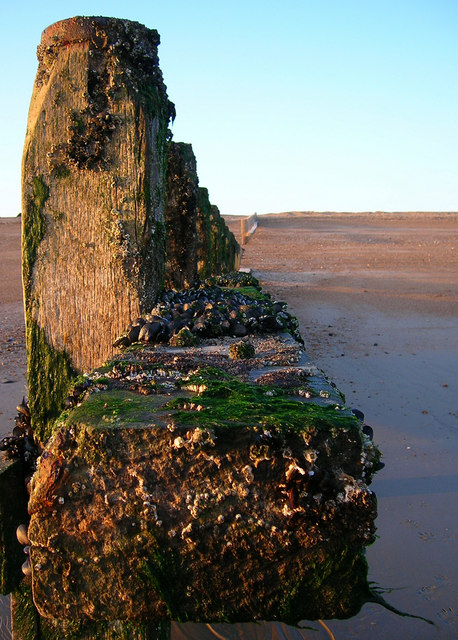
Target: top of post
[(99, 30), (127, 42)]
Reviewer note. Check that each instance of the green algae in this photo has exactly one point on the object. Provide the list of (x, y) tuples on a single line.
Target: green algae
[(252, 292), (49, 371), (61, 171), (229, 403), (217, 249), (25, 618), (334, 586), (115, 408), (49, 378), (184, 338), (234, 280), (33, 229), (163, 571), (241, 350), (29, 625)]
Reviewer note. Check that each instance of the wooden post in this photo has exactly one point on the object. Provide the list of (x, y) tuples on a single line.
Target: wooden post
[(181, 216), (217, 249), (93, 189), (248, 227)]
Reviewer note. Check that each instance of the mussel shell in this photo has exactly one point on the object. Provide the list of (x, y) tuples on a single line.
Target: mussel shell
[(21, 535), (27, 567), (24, 409)]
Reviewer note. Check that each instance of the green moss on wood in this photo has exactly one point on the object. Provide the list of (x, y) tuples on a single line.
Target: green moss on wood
[(61, 171), (49, 371), (217, 248), (34, 226), (180, 214), (225, 401), (49, 377)]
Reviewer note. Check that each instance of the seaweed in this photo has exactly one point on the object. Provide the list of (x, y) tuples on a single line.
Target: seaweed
[(229, 403)]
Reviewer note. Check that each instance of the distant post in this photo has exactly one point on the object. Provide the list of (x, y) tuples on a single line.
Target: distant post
[(93, 190), (248, 227)]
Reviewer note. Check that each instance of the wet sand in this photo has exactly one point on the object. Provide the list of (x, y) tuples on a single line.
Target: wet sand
[(12, 330), (377, 299)]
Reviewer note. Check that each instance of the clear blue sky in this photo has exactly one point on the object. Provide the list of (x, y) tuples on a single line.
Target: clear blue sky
[(289, 104)]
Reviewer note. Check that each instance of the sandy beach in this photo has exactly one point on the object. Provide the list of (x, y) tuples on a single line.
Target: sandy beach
[(377, 298)]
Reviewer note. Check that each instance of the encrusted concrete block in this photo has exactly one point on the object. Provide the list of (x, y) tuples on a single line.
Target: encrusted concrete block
[(208, 495), (93, 192)]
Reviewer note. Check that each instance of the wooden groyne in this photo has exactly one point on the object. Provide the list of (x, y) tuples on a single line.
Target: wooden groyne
[(183, 458)]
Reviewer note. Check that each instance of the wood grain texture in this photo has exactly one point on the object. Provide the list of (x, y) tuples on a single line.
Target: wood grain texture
[(93, 186)]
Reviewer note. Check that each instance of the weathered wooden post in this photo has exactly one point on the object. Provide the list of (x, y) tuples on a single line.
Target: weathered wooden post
[(217, 249), (93, 189), (198, 240), (181, 216), (248, 227)]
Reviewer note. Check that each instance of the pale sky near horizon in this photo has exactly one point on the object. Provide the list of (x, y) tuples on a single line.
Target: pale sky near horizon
[(338, 105)]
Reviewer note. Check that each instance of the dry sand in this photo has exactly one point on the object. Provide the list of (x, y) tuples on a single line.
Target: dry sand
[(376, 296)]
